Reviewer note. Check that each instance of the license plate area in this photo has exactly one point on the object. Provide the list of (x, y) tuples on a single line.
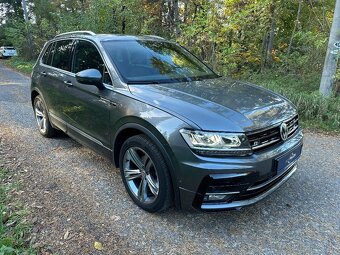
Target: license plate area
[(287, 159)]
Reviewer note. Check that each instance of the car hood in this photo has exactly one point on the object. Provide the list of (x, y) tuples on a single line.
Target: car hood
[(218, 104)]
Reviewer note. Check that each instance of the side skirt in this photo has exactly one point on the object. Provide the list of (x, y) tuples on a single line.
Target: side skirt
[(81, 137)]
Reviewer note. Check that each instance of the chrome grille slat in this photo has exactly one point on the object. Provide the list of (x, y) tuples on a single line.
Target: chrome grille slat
[(266, 144), (276, 132), (263, 139)]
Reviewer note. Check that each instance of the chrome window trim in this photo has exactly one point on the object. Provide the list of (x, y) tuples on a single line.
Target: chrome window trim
[(59, 70)]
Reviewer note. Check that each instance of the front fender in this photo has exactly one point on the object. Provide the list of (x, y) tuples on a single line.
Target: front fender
[(163, 134)]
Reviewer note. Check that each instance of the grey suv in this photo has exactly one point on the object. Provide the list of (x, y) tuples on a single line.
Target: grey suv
[(179, 133)]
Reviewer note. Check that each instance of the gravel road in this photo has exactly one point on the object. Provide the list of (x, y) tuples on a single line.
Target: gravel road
[(76, 197)]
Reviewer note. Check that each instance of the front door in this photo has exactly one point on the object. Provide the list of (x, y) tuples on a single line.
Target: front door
[(87, 110)]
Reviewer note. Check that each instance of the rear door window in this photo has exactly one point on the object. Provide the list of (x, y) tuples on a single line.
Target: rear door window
[(50, 56), (86, 56), (62, 55), (46, 57)]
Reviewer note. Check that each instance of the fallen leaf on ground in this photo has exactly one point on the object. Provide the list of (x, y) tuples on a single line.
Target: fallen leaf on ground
[(66, 235), (98, 246)]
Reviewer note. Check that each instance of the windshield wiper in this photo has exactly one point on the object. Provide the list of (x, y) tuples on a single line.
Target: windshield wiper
[(142, 82)]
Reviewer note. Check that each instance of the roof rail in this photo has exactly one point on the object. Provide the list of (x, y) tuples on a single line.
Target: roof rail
[(155, 36), (76, 33)]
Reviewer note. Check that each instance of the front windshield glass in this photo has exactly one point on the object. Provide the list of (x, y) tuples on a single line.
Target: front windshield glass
[(146, 61)]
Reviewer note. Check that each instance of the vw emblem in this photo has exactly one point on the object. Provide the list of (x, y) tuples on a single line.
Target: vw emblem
[(284, 131)]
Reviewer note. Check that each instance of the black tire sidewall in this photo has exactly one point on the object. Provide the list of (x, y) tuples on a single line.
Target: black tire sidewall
[(164, 197)]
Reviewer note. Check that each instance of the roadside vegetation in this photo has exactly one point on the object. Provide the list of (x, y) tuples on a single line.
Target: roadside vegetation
[(316, 112), (279, 44), (22, 65), (14, 227)]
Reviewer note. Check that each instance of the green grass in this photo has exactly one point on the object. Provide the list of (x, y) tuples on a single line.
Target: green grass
[(13, 224), (19, 64), (315, 111)]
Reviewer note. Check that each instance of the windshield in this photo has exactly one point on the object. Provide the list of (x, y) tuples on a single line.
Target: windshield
[(146, 61)]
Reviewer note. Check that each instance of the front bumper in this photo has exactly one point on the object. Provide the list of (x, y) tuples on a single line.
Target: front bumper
[(242, 181)]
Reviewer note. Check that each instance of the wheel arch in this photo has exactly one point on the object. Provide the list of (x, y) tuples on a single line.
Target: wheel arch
[(140, 126), (34, 93)]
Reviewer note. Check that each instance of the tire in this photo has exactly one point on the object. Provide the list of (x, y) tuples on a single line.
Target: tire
[(149, 183), (41, 117)]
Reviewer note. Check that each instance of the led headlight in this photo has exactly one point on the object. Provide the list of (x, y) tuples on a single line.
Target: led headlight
[(216, 143)]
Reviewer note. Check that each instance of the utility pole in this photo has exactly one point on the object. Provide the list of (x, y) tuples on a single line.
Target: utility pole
[(29, 36), (332, 56)]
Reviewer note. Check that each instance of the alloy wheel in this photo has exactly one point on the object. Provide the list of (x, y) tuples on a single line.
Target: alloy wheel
[(141, 175), (40, 116)]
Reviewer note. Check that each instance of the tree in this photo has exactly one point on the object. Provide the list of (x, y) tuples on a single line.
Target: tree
[(296, 24), (331, 60)]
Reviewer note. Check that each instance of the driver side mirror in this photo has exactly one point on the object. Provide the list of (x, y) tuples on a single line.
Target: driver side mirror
[(90, 77)]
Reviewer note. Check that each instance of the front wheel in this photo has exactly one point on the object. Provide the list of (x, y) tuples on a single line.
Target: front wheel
[(145, 174)]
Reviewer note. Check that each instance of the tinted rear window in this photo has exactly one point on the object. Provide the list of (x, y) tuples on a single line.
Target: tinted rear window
[(62, 55), (46, 57), (9, 48)]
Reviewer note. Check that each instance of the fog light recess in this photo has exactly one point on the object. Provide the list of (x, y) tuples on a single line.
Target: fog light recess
[(216, 197)]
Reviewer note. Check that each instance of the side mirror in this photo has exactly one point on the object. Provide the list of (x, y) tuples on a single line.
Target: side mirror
[(90, 77)]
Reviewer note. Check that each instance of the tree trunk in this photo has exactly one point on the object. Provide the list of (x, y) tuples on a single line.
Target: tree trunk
[(186, 11), (316, 15), (331, 60), (264, 51), (271, 36), (170, 16), (296, 23), (123, 19), (176, 17), (29, 35)]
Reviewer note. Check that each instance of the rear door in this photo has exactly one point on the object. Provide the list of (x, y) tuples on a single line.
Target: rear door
[(87, 109), (55, 69)]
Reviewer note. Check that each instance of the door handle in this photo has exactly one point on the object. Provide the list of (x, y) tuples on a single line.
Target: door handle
[(107, 101), (43, 73), (68, 83)]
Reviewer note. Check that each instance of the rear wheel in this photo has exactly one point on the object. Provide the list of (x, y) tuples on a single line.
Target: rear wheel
[(145, 174), (41, 117)]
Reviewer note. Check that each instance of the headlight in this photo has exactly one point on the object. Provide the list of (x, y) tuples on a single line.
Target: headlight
[(216, 143)]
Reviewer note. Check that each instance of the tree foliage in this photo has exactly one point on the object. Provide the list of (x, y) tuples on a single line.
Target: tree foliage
[(234, 36)]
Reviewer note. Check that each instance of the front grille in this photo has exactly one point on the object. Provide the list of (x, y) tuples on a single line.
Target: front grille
[(263, 139)]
